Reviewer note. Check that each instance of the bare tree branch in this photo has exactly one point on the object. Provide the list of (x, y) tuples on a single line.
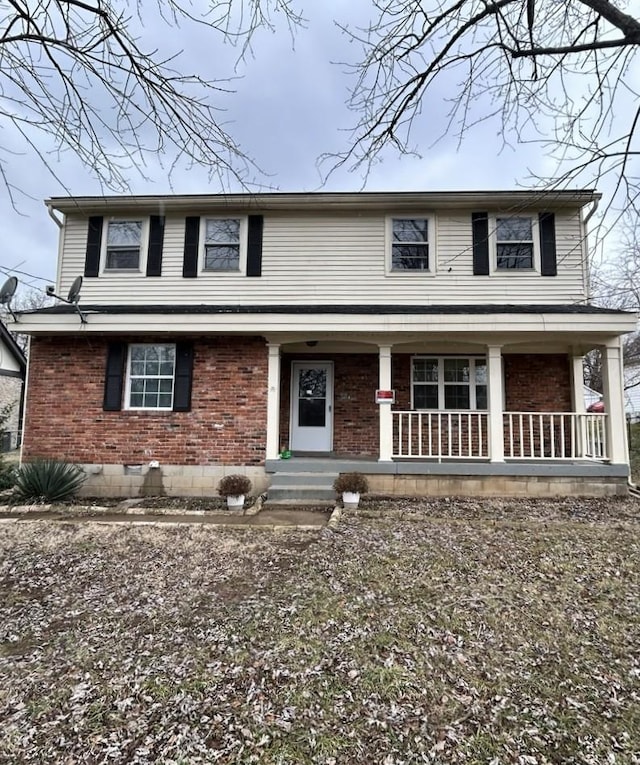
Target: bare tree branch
[(559, 74), (75, 71)]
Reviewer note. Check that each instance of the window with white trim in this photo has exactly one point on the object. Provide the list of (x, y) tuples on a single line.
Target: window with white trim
[(445, 382), (150, 376), (515, 248), (123, 245), (409, 245), (222, 244)]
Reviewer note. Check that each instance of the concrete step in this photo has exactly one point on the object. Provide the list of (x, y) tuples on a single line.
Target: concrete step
[(302, 486), (303, 479), (310, 493)]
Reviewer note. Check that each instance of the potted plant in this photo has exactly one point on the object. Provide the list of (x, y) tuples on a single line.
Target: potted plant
[(351, 486), (234, 488)]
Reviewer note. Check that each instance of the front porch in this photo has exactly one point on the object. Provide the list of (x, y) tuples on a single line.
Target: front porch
[(323, 392)]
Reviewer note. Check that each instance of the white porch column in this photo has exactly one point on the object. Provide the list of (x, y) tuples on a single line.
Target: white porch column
[(273, 401), (577, 399), (577, 379), (384, 410), (494, 403), (613, 385)]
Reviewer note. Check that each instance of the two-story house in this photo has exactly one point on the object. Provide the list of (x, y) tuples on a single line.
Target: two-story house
[(433, 341)]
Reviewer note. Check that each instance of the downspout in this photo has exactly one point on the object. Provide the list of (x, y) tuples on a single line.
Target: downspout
[(60, 224), (23, 402)]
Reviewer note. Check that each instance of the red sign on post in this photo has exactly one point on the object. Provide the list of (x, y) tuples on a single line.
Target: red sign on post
[(385, 397)]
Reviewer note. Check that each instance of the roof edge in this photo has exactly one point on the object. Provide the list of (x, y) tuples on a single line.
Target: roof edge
[(375, 200), (347, 309)]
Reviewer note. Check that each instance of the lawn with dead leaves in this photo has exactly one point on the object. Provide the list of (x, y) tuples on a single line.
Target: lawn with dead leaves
[(447, 631)]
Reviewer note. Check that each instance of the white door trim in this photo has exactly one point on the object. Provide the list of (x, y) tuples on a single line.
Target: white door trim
[(311, 439)]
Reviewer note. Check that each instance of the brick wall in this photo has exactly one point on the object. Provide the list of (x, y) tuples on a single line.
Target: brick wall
[(226, 425), (66, 419), (537, 383), (533, 382)]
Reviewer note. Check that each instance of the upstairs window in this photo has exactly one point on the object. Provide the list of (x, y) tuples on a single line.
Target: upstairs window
[(150, 378), (449, 383), (123, 245), (410, 244), (222, 244), (514, 243)]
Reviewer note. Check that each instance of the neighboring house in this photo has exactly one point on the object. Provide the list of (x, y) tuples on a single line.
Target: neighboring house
[(219, 330), (591, 396), (12, 372), (632, 390)]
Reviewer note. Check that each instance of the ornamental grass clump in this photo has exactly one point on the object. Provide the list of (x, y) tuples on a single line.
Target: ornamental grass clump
[(353, 483), (48, 481), (234, 486)]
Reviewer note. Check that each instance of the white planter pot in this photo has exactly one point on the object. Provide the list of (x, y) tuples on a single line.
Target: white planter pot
[(350, 499), (235, 502)]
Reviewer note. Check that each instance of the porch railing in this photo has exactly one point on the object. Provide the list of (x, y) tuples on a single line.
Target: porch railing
[(555, 435), (440, 434), (527, 435)]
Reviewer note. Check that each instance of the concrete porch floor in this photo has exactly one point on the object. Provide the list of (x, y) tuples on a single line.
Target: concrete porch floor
[(448, 467)]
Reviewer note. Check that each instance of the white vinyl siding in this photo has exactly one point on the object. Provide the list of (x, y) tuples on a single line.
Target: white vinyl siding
[(332, 259)]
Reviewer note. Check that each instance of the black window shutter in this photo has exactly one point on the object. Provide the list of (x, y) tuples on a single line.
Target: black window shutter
[(547, 224), (114, 377), (191, 242), (94, 244), (184, 376), (254, 245), (156, 242), (480, 233)]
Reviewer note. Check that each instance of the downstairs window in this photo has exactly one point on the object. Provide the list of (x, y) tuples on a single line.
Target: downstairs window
[(150, 376), (445, 382)]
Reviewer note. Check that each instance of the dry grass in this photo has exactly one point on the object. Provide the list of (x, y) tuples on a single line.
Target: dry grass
[(463, 632)]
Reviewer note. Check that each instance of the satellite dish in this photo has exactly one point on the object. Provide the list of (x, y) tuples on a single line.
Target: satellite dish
[(6, 294), (8, 290), (74, 290), (72, 298)]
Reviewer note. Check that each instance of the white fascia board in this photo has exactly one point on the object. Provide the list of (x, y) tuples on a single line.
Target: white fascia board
[(330, 201), (296, 324)]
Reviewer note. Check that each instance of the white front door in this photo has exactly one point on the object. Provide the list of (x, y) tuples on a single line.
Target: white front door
[(312, 406)]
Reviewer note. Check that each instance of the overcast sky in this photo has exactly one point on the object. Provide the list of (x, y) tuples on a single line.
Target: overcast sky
[(289, 108)]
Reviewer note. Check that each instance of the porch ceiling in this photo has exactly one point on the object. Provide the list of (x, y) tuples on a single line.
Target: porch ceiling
[(442, 343)]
